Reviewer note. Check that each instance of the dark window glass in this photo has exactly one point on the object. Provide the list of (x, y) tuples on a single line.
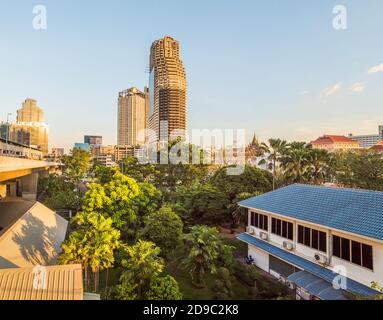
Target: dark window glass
[(336, 246), (323, 241), (345, 249), (300, 234), (307, 237), (284, 229), (265, 223), (279, 227), (256, 220), (315, 239), (367, 259), (274, 226), (260, 221), (356, 253), (253, 219), (291, 231)]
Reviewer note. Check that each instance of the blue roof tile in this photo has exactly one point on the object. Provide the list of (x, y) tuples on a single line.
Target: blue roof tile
[(356, 211), (306, 265)]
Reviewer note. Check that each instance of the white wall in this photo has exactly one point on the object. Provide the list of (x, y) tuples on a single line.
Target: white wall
[(355, 272), (261, 258)]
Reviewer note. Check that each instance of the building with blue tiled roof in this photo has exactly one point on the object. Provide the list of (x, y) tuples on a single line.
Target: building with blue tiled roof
[(312, 237)]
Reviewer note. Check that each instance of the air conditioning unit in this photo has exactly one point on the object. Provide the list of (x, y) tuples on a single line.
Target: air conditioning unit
[(282, 280), (251, 230), (290, 285), (264, 236), (288, 245), (321, 258)]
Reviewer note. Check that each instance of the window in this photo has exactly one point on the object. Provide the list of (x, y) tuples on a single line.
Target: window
[(282, 228), (259, 221), (345, 249), (367, 257), (356, 251), (301, 231), (312, 238), (353, 251), (336, 246)]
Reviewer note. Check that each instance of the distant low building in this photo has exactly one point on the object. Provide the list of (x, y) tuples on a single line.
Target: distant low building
[(369, 140), (378, 147), (57, 152), (105, 160), (123, 152), (334, 143), (82, 146)]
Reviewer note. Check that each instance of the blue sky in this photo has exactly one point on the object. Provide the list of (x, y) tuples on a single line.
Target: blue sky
[(275, 67)]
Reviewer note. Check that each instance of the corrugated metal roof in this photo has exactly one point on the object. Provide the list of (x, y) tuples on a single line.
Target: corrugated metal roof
[(317, 270), (356, 211), (61, 283), (316, 286)]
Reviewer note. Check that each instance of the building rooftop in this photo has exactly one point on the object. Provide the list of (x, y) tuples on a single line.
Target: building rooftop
[(327, 139), (304, 264), (48, 283), (356, 211)]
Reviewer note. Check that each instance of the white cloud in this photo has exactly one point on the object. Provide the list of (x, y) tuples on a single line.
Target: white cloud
[(330, 91), (376, 69), (358, 87)]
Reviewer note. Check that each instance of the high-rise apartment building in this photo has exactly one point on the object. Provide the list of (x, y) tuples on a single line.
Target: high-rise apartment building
[(168, 89), (369, 140), (133, 108), (30, 128), (30, 112)]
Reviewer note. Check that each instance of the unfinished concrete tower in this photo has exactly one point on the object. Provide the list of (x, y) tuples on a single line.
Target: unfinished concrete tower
[(168, 90)]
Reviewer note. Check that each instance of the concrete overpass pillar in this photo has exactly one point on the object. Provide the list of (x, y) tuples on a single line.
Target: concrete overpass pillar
[(29, 186)]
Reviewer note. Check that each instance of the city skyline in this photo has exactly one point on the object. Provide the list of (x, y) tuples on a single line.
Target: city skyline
[(328, 81)]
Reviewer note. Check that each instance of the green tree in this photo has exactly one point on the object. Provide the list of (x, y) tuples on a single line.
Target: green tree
[(275, 150), (122, 199), (77, 164), (164, 288), (131, 167), (91, 244), (252, 180), (203, 245), (142, 265), (319, 166), (57, 193), (164, 228), (295, 162), (363, 169), (201, 203)]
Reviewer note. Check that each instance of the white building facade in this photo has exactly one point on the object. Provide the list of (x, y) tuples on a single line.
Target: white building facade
[(307, 232)]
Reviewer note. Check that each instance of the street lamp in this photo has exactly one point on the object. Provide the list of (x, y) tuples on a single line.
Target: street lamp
[(7, 132)]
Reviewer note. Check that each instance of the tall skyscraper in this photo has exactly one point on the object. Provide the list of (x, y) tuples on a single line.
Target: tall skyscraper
[(167, 88), (132, 117), (30, 128), (30, 112)]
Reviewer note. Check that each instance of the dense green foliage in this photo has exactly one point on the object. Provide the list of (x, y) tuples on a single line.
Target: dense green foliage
[(164, 228), (164, 288)]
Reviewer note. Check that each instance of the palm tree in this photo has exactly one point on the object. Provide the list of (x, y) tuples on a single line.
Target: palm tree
[(319, 164), (275, 150), (295, 161), (203, 245), (92, 244)]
